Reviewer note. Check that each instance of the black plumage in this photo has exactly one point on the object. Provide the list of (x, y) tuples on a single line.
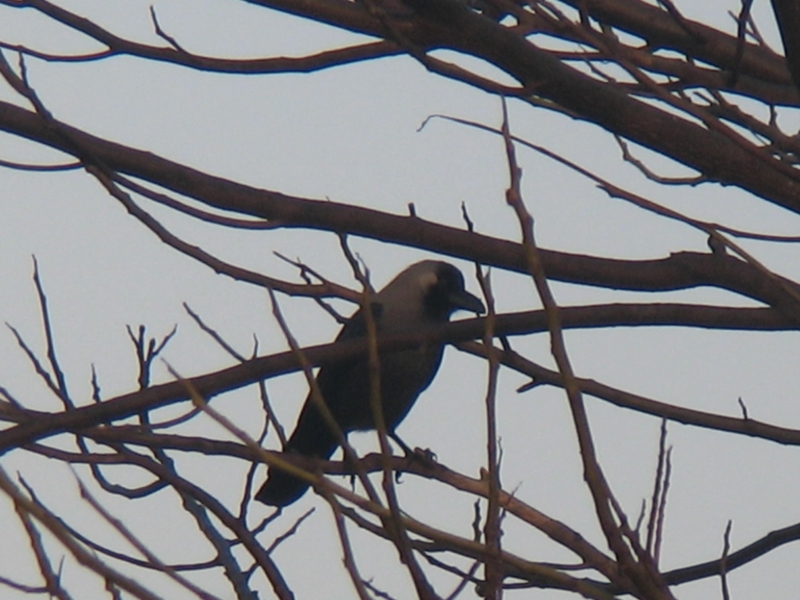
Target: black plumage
[(424, 294)]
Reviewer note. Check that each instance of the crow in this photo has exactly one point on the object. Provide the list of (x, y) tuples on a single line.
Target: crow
[(423, 295)]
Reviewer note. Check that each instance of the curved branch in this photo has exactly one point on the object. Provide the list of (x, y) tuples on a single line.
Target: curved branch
[(35, 425), (553, 528), (623, 399), (679, 271), (772, 540), (691, 38), (715, 156), (450, 24), (120, 46)]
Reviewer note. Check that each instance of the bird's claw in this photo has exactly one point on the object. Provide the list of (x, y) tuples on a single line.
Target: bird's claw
[(425, 455)]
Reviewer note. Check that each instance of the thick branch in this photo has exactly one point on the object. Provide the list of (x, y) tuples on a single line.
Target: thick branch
[(679, 271), (119, 46), (451, 24), (37, 425), (701, 42), (716, 156)]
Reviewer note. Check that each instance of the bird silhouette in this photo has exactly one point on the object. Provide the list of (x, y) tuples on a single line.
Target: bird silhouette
[(423, 295)]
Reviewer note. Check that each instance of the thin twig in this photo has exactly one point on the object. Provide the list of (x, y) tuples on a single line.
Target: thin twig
[(723, 562), (593, 474), (394, 525), (56, 528), (126, 533), (493, 573)]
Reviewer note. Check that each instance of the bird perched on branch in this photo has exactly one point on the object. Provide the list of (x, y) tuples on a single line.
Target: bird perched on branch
[(423, 295)]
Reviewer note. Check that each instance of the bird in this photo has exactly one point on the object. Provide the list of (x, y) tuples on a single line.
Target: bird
[(424, 294)]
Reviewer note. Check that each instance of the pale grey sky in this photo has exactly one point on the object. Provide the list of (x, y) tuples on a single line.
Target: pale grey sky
[(350, 134)]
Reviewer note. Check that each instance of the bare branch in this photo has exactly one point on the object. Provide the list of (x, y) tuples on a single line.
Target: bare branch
[(53, 525)]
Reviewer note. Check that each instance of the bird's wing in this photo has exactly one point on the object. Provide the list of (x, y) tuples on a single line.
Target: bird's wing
[(312, 436)]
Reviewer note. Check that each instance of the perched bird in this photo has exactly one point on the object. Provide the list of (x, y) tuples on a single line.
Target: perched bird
[(425, 294)]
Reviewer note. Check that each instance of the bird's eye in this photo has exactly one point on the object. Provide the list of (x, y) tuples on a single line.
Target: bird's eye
[(428, 280)]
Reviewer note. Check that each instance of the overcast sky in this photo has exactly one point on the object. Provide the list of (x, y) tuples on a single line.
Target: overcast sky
[(351, 134)]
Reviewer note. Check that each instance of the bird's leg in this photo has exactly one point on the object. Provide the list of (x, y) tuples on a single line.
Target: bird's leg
[(426, 455), (344, 457), (408, 451)]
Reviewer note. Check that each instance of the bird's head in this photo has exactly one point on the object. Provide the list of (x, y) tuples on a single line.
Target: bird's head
[(443, 291)]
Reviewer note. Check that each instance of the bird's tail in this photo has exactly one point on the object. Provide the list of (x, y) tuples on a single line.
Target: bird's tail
[(311, 438)]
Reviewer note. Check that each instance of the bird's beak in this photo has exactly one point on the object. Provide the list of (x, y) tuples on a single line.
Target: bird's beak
[(465, 301)]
